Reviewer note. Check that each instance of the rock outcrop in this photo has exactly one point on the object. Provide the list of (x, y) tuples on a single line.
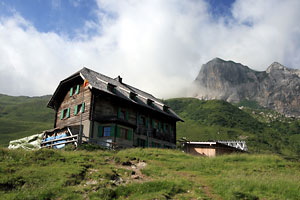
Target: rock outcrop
[(277, 88)]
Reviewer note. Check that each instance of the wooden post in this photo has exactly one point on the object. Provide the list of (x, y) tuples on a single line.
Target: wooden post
[(81, 129)]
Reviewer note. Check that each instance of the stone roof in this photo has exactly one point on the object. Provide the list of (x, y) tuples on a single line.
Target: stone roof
[(122, 90)]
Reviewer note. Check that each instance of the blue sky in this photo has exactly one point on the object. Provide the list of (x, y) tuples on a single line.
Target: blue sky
[(67, 17), (150, 43), (60, 16)]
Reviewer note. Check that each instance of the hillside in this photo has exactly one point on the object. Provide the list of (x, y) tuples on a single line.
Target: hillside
[(23, 116), (276, 88), (264, 130), (144, 174)]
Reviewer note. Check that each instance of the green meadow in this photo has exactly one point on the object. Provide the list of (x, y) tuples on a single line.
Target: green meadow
[(264, 130), (23, 116), (271, 169), (144, 174)]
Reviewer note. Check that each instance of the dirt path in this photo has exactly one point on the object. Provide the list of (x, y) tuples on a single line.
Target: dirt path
[(204, 186)]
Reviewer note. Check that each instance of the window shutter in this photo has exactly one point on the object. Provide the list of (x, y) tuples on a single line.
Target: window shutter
[(126, 115), (159, 125), (82, 107), (68, 113), (71, 92), (100, 131), (118, 131), (77, 90), (119, 112), (164, 127), (112, 130), (76, 107), (62, 114), (153, 123), (130, 134)]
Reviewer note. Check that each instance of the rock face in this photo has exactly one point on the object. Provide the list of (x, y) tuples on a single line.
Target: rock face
[(277, 88)]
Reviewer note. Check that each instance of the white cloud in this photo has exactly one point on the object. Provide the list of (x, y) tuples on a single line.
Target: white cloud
[(157, 46)]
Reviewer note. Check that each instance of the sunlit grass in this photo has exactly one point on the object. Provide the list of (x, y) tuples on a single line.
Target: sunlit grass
[(49, 174)]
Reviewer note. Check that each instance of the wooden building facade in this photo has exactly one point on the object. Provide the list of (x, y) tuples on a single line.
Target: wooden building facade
[(113, 112)]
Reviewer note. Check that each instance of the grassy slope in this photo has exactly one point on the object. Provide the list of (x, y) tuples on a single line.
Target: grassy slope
[(23, 116), (169, 174), (204, 120), (219, 120)]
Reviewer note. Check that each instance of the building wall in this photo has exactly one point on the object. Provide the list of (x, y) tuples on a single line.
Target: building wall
[(205, 151), (105, 107), (155, 129), (209, 151), (137, 120), (70, 102)]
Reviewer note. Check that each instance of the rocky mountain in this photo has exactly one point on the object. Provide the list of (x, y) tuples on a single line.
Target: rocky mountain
[(277, 88)]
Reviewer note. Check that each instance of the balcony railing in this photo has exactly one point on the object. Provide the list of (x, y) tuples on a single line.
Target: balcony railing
[(60, 142)]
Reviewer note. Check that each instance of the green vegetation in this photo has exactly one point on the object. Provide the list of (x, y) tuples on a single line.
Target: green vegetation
[(92, 173), (265, 131), (23, 116), (144, 174)]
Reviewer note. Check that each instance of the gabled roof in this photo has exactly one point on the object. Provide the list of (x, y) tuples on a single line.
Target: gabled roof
[(99, 81)]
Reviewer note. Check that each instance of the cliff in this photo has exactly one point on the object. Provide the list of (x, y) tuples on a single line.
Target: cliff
[(276, 88)]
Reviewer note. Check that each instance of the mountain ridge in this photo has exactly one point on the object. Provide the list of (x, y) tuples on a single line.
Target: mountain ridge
[(276, 88)]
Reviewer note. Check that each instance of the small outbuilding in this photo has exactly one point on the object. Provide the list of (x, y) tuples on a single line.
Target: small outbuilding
[(212, 149)]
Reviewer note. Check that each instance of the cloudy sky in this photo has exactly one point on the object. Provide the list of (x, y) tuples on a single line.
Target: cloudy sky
[(155, 45)]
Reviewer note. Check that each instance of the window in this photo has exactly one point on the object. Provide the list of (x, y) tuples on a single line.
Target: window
[(76, 89), (171, 129), (65, 113), (142, 120), (165, 127), (106, 131), (141, 142), (123, 114), (124, 133), (165, 108), (79, 108), (111, 88), (154, 123), (150, 102), (132, 96)]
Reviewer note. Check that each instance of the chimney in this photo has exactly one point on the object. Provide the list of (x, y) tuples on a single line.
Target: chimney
[(119, 79)]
